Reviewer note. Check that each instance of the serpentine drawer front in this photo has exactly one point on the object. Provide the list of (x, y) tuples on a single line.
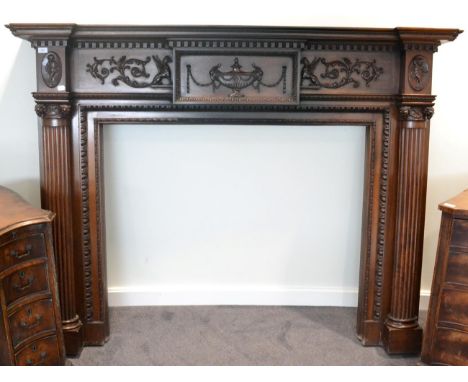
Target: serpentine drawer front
[(29, 279), (30, 321), (43, 352), (22, 249)]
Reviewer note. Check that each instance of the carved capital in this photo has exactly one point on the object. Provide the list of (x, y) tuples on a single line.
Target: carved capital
[(416, 113), (52, 110)]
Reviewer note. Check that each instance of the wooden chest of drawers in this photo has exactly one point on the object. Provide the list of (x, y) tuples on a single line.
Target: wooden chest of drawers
[(446, 335), (30, 324)]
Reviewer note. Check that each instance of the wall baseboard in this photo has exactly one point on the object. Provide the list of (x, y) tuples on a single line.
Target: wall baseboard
[(141, 296)]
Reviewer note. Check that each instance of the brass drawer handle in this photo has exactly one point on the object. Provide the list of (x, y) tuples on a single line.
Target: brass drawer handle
[(43, 355), (24, 285), (19, 255)]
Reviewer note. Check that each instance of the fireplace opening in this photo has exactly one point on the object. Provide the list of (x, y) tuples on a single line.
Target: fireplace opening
[(250, 215)]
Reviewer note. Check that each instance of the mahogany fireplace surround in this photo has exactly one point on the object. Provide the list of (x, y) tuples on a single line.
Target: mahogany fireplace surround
[(90, 76)]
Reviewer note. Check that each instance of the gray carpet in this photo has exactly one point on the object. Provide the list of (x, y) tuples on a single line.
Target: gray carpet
[(235, 335)]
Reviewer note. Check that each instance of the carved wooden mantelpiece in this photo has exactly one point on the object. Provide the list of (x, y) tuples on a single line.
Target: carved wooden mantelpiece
[(91, 76)]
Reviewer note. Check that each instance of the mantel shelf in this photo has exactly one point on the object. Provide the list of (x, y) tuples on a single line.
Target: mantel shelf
[(32, 32)]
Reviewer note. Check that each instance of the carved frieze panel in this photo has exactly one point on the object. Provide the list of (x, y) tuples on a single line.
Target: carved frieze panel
[(348, 72), (133, 72), (236, 77), (320, 73), (122, 70)]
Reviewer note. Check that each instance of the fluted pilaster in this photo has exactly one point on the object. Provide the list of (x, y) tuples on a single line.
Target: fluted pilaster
[(56, 196), (402, 333)]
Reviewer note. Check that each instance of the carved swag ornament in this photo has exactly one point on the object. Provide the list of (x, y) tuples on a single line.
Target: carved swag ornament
[(236, 79)]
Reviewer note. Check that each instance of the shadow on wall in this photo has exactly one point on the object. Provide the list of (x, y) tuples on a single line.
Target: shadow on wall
[(28, 189), (19, 149)]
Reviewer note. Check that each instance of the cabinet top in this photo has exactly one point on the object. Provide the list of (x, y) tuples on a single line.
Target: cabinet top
[(32, 32), (15, 212), (458, 205)]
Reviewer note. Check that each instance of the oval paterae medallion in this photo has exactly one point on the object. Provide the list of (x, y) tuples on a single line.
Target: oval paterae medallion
[(51, 69), (418, 73)]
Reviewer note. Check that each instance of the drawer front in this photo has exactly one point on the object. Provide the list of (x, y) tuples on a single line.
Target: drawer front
[(460, 233), (31, 319), (457, 268), (44, 352), (454, 307), (451, 347), (23, 249), (25, 281)]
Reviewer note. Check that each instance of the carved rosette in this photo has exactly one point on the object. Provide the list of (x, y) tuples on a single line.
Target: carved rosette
[(416, 113)]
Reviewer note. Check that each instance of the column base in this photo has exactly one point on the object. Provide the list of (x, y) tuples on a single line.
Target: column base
[(402, 340), (73, 336)]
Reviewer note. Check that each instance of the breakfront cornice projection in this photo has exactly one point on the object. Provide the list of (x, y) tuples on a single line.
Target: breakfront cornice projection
[(91, 76)]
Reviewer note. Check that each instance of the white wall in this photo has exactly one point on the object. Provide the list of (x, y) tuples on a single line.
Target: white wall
[(212, 214), (246, 279)]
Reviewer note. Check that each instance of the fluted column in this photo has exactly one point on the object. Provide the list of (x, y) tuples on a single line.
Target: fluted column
[(402, 333), (56, 196)]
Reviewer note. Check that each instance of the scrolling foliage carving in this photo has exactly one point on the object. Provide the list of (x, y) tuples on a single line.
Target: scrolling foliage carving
[(236, 79), (131, 70), (320, 73)]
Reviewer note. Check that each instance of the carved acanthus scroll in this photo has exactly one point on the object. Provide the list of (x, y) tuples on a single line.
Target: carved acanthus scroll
[(131, 70), (320, 73)]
